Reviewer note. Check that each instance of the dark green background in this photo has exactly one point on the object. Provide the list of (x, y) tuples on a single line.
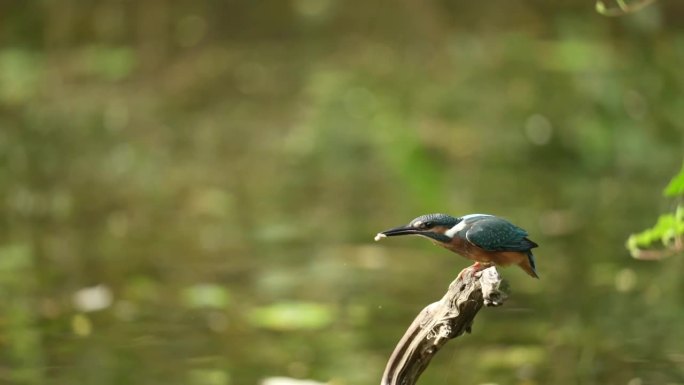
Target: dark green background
[(221, 167)]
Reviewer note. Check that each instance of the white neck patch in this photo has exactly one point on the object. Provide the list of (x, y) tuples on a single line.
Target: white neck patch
[(458, 227)]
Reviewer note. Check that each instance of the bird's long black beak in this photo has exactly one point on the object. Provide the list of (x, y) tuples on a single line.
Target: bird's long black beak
[(401, 230)]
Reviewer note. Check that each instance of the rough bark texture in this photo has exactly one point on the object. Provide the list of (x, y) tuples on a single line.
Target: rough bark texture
[(441, 321)]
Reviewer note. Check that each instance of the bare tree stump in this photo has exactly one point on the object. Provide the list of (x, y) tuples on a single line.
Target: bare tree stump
[(441, 321)]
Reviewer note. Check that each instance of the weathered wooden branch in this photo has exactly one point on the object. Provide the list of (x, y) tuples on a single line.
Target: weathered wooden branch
[(441, 321)]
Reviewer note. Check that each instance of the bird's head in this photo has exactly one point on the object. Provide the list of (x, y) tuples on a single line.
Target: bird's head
[(433, 226)]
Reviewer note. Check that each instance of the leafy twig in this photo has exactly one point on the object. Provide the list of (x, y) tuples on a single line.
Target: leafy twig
[(622, 7)]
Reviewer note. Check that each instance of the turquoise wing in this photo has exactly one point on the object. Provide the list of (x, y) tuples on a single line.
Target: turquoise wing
[(495, 234)]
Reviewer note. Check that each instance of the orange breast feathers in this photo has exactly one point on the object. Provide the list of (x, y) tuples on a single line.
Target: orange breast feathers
[(499, 258), (475, 253)]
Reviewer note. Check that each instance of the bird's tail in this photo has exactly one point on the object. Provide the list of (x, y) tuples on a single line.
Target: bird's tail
[(529, 265)]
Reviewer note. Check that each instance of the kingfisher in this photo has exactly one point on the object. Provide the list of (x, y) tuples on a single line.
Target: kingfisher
[(486, 239)]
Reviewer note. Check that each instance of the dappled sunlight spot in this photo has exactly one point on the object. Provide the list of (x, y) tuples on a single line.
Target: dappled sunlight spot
[(538, 129), (190, 30), (208, 377), (81, 325), (292, 315), (625, 280), (206, 295), (92, 298)]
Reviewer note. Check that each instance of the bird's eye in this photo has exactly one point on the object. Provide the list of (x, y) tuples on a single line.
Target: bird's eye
[(422, 225)]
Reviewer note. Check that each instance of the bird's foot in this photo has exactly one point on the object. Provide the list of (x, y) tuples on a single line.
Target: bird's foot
[(475, 269), (478, 267)]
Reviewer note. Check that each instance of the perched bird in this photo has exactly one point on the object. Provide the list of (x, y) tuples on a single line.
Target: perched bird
[(486, 239)]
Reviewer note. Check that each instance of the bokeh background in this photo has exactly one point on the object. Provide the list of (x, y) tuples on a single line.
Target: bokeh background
[(189, 189)]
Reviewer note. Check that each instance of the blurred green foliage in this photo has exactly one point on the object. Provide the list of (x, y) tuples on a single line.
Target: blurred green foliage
[(667, 233), (676, 186), (219, 170)]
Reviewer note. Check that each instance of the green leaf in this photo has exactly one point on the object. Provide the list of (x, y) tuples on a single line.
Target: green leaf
[(661, 235), (676, 186)]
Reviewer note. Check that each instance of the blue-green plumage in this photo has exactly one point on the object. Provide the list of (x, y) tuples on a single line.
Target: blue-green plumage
[(484, 238), (495, 234)]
